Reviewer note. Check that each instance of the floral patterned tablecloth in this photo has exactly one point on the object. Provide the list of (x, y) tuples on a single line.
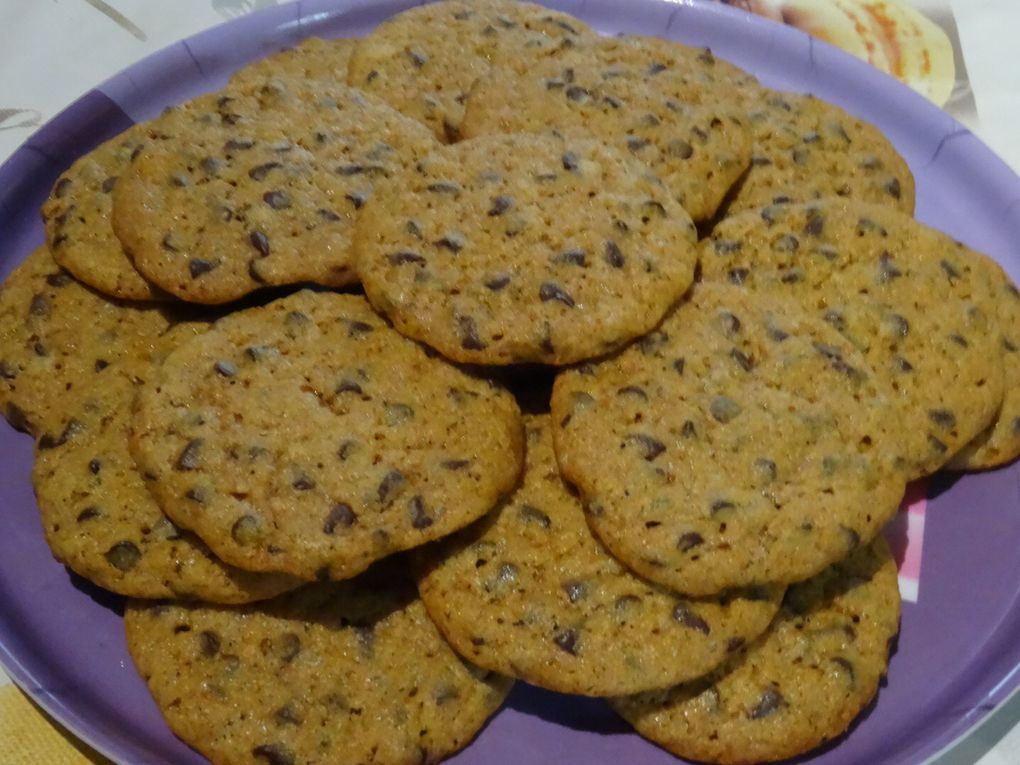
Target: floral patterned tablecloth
[(51, 51)]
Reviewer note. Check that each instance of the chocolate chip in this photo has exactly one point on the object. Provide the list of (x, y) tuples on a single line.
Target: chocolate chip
[(39, 306), (689, 541), (341, 515), (578, 94), (59, 279), (613, 255), (766, 468), (197, 267), (278, 200), (688, 430), (109, 184), (657, 67), (500, 205), (357, 328), (575, 591), (328, 215), (123, 556), (61, 188), (452, 242), (960, 340), (887, 270), (845, 665), (454, 464), (680, 149), (88, 514), (530, 514), (724, 408), (570, 161), (469, 338), (551, 291), (225, 368), (686, 617), (100, 365), (416, 510), (246, 529), (260, 242), (302, 483), (769, 702), (444, 187), (571, 257), (390, 483), (738, 275), (944, 418), (900, 326), (635, 391), (397, 414), (188, 459), (902, 364), (417, 58), (786, 243), (404, 257), (497, 283), (49, 441), (745, 361), (649, 447), (893, 187), (718, 505), (348, 385), (196, 494), (208, 643), (729, 323), (815, 223), (566, 640), (238, 144), (273, 754), (259, 172), (837, 362)]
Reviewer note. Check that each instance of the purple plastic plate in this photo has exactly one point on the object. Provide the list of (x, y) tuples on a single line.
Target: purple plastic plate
[(958, 655)]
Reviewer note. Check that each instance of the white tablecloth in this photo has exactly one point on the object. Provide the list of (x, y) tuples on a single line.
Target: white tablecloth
[(51, 51)]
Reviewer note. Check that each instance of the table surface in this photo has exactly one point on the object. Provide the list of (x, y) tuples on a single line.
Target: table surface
[(99, 38)]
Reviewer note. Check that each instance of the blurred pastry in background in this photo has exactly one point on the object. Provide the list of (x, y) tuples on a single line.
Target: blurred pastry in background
[(889, 34)]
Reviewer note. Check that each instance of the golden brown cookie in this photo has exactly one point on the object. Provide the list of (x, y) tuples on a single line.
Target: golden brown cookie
[(424, 61), (58, 336), (742, 442), (799, 685), (98, 516), (78, 228), (262, 196), (510, 248), (529, 592), (909, 297), (697, 146), (340, 672), (806, 148), (308, 437), (999, 443)]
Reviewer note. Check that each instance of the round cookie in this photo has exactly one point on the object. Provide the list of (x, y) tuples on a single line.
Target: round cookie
[(806, 148), (347, 672), (909, 297), (999, 443), (511, 248), (308, 437), (312, 59), (529, 592), (801, 684), (97, 514), (424, 61), (77, 217), (225, 207), (699, 145), (698, 151), (743, 442), (56, 336)]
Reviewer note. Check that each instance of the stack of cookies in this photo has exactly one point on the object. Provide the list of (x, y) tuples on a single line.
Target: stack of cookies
[(276, 350)]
